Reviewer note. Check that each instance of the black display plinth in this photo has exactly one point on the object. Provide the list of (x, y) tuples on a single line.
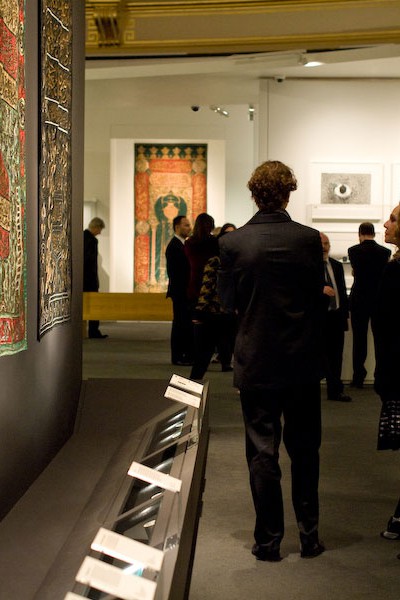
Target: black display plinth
[(87, 487)]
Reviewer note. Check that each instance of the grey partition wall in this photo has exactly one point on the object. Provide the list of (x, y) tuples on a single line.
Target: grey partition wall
[(40, 386)]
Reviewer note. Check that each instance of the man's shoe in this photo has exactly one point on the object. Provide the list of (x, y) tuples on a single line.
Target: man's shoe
[(99, 336), (340, 398), (267, 552), (311, 550), (392, 531)]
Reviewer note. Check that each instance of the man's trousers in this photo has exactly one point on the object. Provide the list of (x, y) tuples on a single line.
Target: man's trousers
[(299, 407)]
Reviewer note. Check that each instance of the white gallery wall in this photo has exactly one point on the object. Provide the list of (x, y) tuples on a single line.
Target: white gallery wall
[(355, 124), (305, 123), (115, 118)]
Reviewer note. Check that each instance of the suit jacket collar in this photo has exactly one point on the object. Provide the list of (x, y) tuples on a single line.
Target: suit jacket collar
[(178, 237), (279, 216)]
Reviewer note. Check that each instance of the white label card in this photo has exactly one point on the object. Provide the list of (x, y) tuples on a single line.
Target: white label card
[(187, 385), (152, 476), (72, 596), (112, 580), (130, 551), (180, 396)]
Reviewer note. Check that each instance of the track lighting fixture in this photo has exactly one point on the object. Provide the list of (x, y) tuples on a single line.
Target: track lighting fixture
[(308, 62), (219, 110)]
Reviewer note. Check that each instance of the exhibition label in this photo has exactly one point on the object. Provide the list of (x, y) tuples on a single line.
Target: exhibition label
[(112, 580), (187, 384), (152, 476), (180, 396), (123, 548)]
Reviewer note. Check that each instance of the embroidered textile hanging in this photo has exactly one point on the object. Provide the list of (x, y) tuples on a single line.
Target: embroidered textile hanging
[(55, 166), (12, 178), (170, 180)]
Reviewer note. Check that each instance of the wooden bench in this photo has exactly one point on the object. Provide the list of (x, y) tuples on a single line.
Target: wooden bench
[(115, 306)]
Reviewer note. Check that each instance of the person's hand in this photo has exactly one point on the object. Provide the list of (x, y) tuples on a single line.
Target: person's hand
[(329, 291)]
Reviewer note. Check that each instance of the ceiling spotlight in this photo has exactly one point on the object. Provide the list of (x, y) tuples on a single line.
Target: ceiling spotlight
[(219, 110), (251, 112), (313, 63), (308, 62)]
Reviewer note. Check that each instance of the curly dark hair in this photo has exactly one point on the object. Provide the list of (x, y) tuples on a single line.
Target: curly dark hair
[(271, 184)]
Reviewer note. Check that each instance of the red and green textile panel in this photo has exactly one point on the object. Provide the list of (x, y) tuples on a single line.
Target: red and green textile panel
[(170, 180), (12, 178)]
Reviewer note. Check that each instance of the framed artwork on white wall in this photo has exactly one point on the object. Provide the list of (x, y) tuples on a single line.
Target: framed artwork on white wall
[(345, 192)]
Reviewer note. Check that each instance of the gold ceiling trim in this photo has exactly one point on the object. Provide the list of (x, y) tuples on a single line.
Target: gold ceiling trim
[(147, 9), (208, 7), (249, 44), (115, 25)]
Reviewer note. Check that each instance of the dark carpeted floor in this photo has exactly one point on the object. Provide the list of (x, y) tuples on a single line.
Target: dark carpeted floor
[(358, 489)]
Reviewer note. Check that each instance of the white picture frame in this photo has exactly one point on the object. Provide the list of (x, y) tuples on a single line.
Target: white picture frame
[(345, 192)]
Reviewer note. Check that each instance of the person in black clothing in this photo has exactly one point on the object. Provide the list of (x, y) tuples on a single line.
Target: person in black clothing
[(214, 327), (178, 270), (368, 260), (90, 268), (272, 277), (336, 323), (199, 247), (387, 332)]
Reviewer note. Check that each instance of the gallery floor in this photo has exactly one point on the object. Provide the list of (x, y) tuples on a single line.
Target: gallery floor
[(358, 490), (359, 487)]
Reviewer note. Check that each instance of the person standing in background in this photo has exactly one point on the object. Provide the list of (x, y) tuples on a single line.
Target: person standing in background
[(178, 271), (336, 323), (387, 349), (199, 247), (213, 326), (90, 267), (368, 260), (272, 276)]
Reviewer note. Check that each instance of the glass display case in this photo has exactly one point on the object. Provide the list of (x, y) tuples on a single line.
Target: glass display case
[(174, 444)]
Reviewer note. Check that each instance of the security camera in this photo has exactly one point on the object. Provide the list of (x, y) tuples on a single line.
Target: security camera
[(279, 78), (195, 108)]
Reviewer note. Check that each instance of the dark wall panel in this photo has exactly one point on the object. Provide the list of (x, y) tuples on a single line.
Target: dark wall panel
[(39, 387)]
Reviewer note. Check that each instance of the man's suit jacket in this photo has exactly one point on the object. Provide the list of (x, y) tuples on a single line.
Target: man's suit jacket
[(368, 261), (90, 268), (272, 275), (177, 269), (343, 309)]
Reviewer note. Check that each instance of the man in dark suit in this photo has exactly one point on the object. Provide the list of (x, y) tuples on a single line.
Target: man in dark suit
[(272, 276), (336, 323), (178, 270), (368, 260), (90, 268)]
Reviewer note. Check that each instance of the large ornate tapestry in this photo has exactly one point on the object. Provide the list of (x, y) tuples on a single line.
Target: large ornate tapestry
[(170, 180), (55, 165), (12, 178)]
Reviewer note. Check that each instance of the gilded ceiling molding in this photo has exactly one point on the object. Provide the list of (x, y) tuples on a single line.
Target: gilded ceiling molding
[(192, 7), (251, 44), (123, 27)]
